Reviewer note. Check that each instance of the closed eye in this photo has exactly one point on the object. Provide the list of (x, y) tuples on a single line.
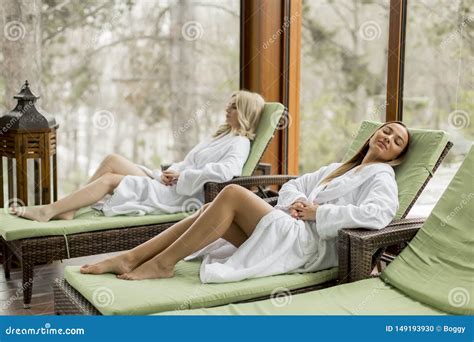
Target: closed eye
[(398, 140)]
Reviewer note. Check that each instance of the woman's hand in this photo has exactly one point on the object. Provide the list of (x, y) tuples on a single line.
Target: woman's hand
[(169, 177), (298, 205), (302, 210)]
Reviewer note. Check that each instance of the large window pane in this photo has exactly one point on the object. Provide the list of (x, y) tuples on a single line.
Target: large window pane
[(344, 67), (438, 87), (145, 79)]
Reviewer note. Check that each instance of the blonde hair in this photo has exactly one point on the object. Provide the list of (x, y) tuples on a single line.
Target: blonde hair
[(356, 160), (249, 108)]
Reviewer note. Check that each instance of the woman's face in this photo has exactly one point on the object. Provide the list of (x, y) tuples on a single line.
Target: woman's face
[(388, 142), (232, 114)]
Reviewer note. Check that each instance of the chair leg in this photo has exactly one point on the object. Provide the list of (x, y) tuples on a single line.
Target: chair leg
[(27, 267), (379, 267), (7, 260)]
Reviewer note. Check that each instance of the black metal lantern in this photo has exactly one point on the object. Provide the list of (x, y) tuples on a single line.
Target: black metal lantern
[(25, 134)]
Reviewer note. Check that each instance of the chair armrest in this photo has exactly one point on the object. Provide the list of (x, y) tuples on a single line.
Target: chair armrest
[(212, 189), (356, 247), (264, 168)]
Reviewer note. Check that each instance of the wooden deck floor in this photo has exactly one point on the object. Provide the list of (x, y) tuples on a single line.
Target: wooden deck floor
[(11, 297)]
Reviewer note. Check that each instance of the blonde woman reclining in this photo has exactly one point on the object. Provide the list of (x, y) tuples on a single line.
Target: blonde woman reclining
[(137, 190)]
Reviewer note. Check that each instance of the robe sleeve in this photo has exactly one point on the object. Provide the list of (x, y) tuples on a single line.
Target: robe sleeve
[(299, 188), (177, 166), (375, 209), (191, 181)]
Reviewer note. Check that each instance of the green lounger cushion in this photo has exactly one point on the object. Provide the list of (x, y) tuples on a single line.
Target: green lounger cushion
[(86, 220), (14, 228), (112, 296), (434, 275), (269, 119), (426, 146), (437, 267), (365, 297)]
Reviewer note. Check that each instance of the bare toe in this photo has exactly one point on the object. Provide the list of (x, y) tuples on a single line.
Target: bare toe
[(85, 269), (124, 276)]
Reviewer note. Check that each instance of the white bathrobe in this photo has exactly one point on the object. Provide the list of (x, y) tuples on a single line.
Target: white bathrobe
[(363, 197), (212, 160)]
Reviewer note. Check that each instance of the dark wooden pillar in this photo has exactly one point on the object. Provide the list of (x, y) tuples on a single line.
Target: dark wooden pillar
[(396, 59), (270, 64)]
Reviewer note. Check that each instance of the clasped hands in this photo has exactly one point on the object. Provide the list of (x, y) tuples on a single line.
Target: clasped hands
[(169, 177), (303, 210)]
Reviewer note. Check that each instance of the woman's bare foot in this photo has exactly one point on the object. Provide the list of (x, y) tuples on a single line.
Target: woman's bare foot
[(152, 269), (40, 214), (119, 264)]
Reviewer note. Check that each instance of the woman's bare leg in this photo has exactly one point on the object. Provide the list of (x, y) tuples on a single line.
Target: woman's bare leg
[(113, 163), (88, 195), (117, 164), (233, 205), (130, 259), (133, 258)]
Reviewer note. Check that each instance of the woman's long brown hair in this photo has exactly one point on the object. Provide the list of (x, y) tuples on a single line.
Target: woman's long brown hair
[(357, 159)]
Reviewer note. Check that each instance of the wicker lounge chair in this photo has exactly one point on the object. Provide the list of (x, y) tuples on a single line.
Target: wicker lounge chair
[(78, 293), (432, 276), (91, 233)]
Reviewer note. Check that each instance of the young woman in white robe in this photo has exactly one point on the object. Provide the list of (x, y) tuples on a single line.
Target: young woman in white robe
[(241, 236), (120, 187)]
